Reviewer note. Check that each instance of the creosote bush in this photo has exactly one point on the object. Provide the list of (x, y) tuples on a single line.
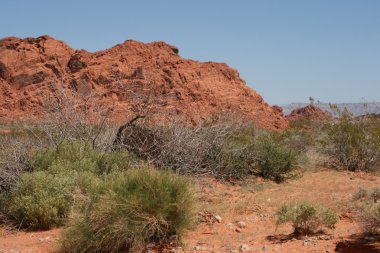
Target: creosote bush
[(130, 209), (354, 143), (307, 218), (41, 200), (57, 182), (275, 160)]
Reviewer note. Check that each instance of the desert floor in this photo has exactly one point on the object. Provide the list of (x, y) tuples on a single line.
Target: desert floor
[(253, 203)]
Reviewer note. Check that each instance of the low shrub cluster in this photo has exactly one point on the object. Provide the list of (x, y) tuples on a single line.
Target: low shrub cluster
[(369, 208), (224, 151), (43, 197), (307, 218), (111, 201), (370, 218), (129, 210), (354, 143)]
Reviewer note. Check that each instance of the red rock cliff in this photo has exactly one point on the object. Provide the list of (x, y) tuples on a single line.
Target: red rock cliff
[(120, 77)]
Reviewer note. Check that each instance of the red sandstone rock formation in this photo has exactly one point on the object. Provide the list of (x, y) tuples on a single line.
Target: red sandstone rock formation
[(124, 78), (310, 112)]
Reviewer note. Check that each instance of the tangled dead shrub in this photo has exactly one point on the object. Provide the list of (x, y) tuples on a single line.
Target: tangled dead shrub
[(131, 209), (226, 151)]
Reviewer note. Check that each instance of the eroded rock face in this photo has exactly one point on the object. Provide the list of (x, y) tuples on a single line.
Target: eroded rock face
[(310, 112), (125, 77)]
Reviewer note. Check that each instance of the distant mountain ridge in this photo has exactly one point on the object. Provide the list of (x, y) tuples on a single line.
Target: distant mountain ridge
[(356, 109)]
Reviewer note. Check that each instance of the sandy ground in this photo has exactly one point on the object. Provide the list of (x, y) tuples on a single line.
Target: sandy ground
[(254, 202)]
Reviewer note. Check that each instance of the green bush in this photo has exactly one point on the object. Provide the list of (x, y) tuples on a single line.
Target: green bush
[(275, 160), (60, 180), (131, 209), (354, 143), (307, 218), (80, 157), (40, 200)]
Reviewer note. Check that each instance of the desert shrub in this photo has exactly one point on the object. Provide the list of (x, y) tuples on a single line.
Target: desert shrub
[(220, 150), (307, 218), (130, 209), (354, 143), (369, 209), (60, 179), (226, 151), (40, 200), (361, 194), (275, 160), (375, 194), (17, 151), (78, 156), (370, 217)]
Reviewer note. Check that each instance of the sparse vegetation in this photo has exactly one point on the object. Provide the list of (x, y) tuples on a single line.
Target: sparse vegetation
[(125, 194), (307, 218)]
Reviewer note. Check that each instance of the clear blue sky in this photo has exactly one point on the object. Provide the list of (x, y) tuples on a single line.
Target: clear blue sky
[(287, 50)]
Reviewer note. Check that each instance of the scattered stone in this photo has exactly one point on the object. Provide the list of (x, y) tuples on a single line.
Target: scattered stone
[(230, 225), (199, 248), (305, 243), (238, 230), (265, 248), (324, 237), (41, 239), (242, 224), (243, 247), (233, 251), (218, 218), (294, 239)]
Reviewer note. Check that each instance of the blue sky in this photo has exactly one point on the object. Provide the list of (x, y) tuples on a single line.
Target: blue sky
[(287, 50)]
